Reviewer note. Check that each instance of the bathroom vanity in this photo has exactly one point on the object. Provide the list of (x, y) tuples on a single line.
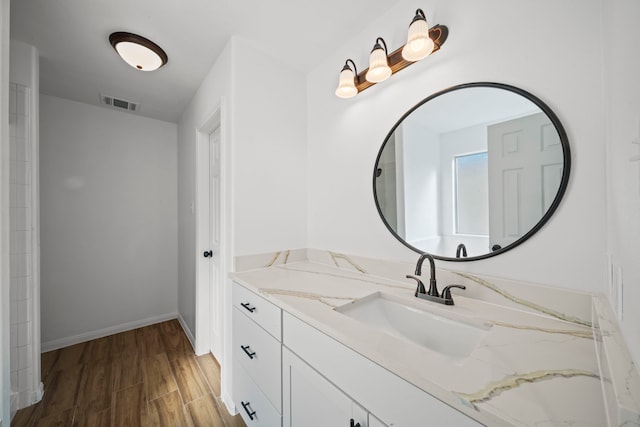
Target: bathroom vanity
[(322, 379), (317, 344)]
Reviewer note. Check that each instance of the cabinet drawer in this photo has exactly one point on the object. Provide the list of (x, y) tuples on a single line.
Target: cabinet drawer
[(259, 354), (264, 313), (252, 404)]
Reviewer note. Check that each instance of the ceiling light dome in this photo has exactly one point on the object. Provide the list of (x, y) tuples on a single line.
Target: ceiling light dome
[(137, 51)]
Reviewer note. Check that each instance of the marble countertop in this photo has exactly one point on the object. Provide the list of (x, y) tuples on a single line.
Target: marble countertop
[(530, 369)]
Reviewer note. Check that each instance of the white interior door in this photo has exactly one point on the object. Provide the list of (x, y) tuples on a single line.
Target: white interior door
[(214, 241), (525, 171), (213, 238), (209, 245)]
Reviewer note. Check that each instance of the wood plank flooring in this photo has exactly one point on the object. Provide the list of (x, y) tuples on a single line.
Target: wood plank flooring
[(144, 377)]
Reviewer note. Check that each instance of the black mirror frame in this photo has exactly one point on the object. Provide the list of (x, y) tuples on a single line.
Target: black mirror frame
[(566, 151)]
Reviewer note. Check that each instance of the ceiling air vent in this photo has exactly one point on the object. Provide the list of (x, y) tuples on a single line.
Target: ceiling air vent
[(119, 104)]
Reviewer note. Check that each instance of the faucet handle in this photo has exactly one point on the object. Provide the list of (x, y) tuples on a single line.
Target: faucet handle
[(420, 289), (446, 292)]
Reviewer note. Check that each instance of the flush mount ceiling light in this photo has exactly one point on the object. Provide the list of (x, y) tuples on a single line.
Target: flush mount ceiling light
[(137, 51), (421, 42)]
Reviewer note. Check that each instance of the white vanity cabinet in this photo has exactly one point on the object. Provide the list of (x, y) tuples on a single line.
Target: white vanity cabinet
[(312, 401), (288, 373), (257, 356), (392, 400)]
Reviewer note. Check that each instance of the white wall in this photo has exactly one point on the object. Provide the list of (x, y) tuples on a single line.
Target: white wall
[(263, 128), (215, 86), (494, 40), (623, 126), (266, 129), (4, 214), (421, 168), (108, 218), (269, 139)]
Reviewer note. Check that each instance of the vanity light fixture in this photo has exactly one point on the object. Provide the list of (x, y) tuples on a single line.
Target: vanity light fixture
[(379, 69), (421, 42), (347, 85), (137, 51)]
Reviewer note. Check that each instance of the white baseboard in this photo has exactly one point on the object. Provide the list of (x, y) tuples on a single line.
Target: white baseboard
[(26, 398), (187, 331), (39, 393), (13, 404), (228, 402), (88, 336)]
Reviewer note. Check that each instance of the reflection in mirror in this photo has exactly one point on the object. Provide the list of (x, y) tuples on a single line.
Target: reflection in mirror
[(471, 171)]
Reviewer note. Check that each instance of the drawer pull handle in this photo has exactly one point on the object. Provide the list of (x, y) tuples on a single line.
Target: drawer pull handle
[(248, 307), (353, 423), (247, 350), (249, 411)]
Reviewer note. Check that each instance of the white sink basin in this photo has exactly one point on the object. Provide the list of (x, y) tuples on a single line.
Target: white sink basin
[(440, 331)]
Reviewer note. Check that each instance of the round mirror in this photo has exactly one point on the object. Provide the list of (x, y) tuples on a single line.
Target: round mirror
[(471, 171)]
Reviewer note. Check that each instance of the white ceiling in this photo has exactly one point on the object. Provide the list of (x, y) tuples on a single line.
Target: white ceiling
[(78, 63)]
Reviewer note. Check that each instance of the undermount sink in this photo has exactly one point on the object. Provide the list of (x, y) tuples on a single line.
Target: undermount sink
[(448, 334)]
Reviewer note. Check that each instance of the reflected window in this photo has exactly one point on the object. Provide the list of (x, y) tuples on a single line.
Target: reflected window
[(471, 175)]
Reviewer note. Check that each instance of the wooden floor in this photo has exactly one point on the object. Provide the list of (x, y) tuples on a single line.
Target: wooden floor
[(144, 377)]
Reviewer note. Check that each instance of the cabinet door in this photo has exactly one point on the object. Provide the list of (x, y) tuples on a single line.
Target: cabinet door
[(309, 400)]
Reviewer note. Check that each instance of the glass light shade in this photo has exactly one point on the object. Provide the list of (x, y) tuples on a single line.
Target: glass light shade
[(138, 56), (419, 44), (379, 69), (346, 85)]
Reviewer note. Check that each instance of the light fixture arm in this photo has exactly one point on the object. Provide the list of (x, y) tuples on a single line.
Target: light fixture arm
[(346, 67), (419, 15), (377, 45)]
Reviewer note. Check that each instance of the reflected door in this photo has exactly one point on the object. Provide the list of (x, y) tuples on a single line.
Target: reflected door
[(525, 172), (390, 186)]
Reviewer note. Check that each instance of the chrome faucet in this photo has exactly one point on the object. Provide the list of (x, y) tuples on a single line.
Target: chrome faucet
[(432, 294)]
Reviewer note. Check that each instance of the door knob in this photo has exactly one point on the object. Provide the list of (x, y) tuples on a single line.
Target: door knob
[(208, 254)]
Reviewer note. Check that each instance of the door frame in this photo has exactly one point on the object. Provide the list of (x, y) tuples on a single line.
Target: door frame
[(203, 296)]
